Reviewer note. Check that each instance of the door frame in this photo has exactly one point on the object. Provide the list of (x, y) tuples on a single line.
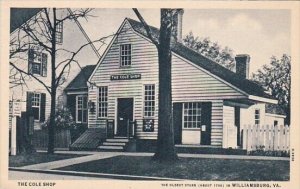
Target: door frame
[(116, 111)]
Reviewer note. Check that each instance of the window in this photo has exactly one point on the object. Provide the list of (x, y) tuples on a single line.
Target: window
[(192, 115), (149, 100), (81, 109), (35, 105), (102, 102), (257, 117), (59, 32), (37, 62), (125, 55)]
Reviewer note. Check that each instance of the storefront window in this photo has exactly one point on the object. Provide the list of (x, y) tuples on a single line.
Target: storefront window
[(192, 115)]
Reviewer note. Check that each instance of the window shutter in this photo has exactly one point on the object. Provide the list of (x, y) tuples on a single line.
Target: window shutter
[(44, 64), (30, 60), (28, 102), (43, 107)]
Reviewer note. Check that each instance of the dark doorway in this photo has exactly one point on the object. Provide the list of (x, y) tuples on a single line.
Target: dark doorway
[(125, 113), (177, 122), (237, 122), (206, 123)]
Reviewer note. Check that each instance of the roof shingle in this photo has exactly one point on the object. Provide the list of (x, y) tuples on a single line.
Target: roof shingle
[(248, 86), (80, 81)]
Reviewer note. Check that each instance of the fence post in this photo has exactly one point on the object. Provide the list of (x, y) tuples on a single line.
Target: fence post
[(249, 138), (275, 137), (263, 136), (267, 139), (13, 133), (281, 137), (288, 137)]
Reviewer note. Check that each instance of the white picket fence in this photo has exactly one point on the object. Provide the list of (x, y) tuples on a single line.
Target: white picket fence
[(266, 137)]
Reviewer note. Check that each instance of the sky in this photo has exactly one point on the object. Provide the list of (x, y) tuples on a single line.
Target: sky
[(258, 32)]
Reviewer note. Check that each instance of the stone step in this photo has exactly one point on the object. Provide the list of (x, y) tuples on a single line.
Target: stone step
[(115, 140), (106, 147), (114, 144)]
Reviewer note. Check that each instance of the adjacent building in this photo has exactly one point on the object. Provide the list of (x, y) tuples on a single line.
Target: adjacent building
[(32, 95)]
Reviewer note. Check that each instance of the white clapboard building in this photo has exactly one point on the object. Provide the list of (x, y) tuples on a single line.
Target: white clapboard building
[(210, 102)]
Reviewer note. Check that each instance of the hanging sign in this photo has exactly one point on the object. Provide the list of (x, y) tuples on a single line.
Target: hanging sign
[(125, 77)]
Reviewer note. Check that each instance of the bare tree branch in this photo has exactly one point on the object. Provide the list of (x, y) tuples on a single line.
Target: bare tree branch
[(29, 74), (146, 26)]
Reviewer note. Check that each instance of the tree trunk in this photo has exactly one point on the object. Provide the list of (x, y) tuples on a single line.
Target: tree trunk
[(51, 127), (165, 142)]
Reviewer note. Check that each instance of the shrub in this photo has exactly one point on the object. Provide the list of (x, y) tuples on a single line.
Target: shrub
[(63, 120), (260, 151)]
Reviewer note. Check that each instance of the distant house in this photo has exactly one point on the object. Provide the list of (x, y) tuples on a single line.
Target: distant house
[(32, 96), (210, 102), (77, 95)]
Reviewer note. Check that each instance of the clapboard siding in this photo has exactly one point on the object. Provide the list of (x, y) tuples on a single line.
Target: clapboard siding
[(144, 62), (189, 84), (216, 122)]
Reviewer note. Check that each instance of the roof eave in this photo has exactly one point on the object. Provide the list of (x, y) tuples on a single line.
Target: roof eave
[(263, 99)]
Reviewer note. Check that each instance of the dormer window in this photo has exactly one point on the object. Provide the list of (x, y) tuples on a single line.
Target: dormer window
[(125, 55)]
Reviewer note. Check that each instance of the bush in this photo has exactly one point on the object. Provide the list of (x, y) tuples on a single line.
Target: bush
[(260, 151), (63, 120)]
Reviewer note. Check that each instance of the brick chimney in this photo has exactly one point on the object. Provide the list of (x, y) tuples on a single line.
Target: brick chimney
[(242, 65), (177, 27)]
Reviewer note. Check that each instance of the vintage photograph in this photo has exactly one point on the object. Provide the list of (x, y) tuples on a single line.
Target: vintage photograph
[(169, 94)]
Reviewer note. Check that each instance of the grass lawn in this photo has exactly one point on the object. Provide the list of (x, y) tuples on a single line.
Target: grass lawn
[(190, 168), (29, 159)]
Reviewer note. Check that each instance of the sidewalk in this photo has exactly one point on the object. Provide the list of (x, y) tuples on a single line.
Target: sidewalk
[(92, 156)]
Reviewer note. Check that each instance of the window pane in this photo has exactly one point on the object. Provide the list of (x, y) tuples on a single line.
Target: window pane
[(125, 55), (149, 100), (192, 115), (102, 102)]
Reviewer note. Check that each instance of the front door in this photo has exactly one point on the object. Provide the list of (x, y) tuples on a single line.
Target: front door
[(125, 113), (206, 124)]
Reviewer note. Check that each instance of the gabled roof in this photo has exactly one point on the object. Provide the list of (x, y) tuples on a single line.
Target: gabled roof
[(80, 81), (19, 16), (245, 85)]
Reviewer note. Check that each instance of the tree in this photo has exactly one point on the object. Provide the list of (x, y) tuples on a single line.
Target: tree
[(211, 50), (276, 78), (42, 31), (165, 150)]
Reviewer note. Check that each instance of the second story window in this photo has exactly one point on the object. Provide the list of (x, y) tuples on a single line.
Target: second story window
[(59, 32), (125, 55), (37, 62)]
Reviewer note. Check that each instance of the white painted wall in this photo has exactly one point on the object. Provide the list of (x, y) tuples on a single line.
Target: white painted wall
[(270, 118), (192, 136), (247, 114)]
